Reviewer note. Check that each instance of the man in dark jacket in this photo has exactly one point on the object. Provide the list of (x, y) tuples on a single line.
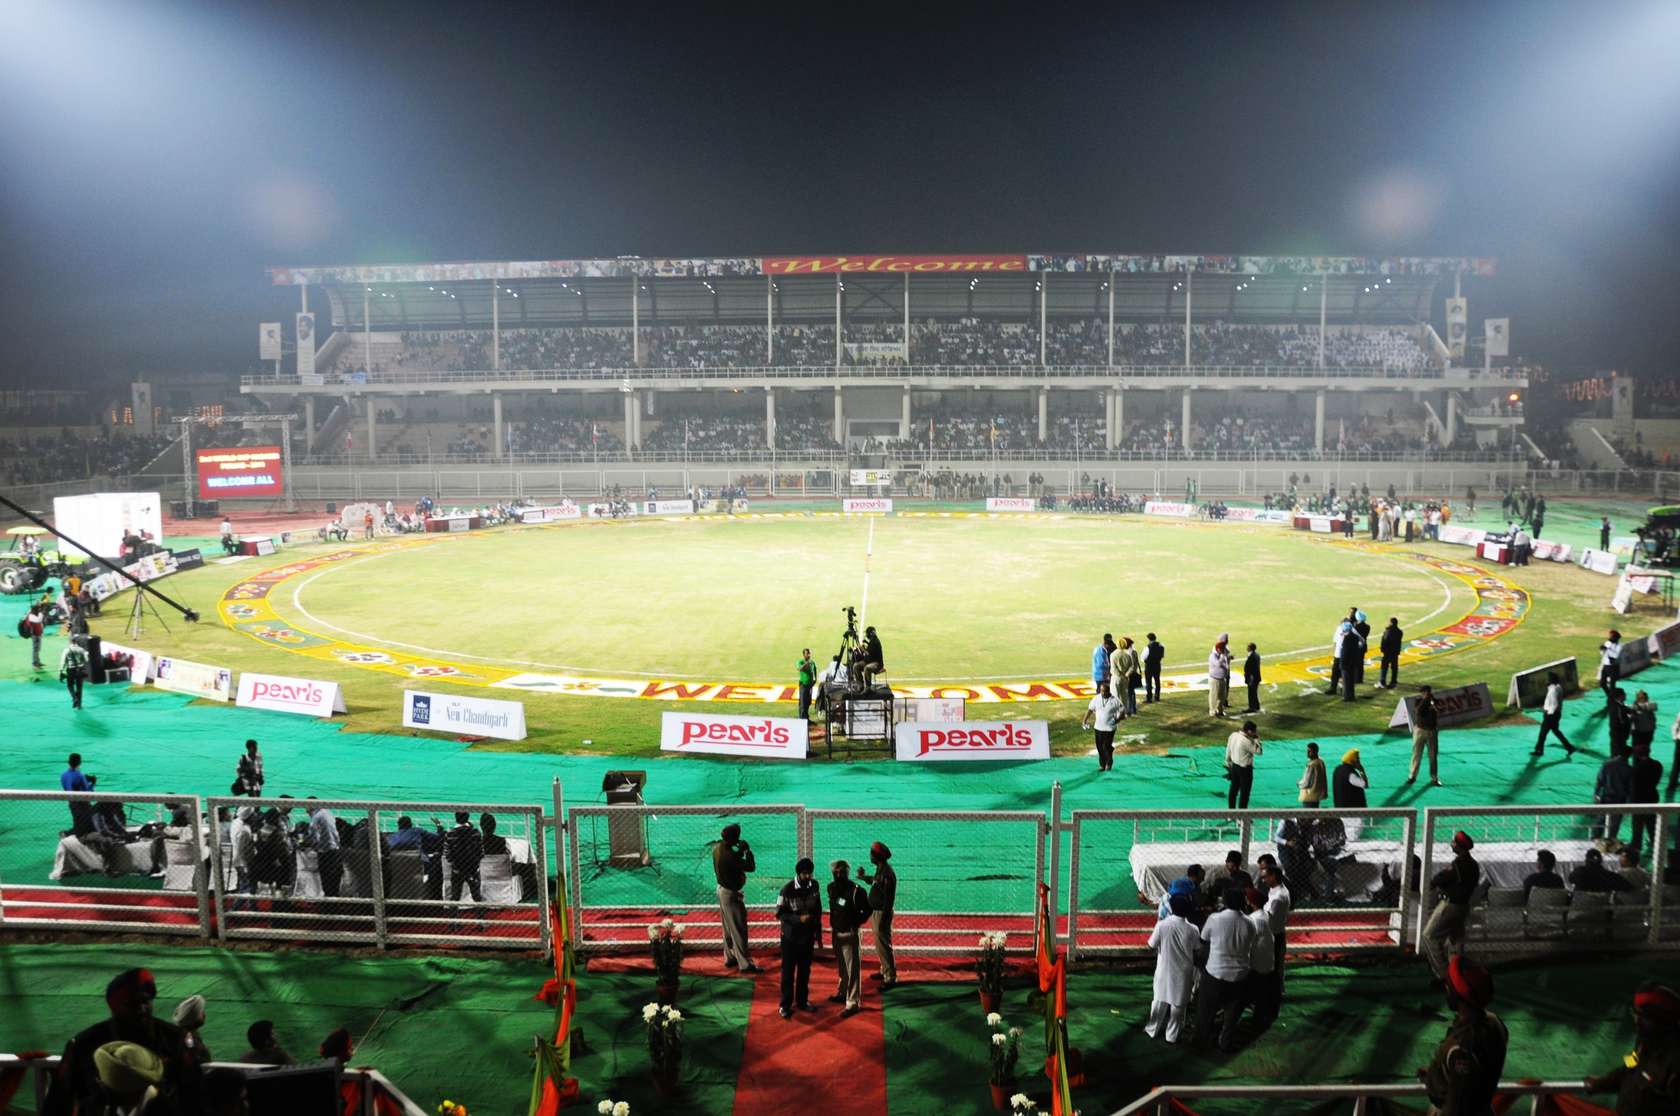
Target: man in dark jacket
[(1465, 1071), (1154, 654), (1621, 720), (1388, 675), (1251, 678), (1352, 660), (1647, 1083), (463, 848), (848, 910), (1426, 737), (799, 910), (1363, 627), (883, 893), (129, 997), (1647, 777), (1454, 886), (1592, 875), (1613, 788)]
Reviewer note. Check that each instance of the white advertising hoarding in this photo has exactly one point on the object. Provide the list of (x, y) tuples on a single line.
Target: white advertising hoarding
[(306, 347), (1168, 507), (290, 695), (464, 716), (1010, 504), (553, 514), (724, 735), (141, 663), (923, 742), (268, 341), (668, 507), (1452, 707), (101, 520), (867, 507), (198, 679), (871, 476)]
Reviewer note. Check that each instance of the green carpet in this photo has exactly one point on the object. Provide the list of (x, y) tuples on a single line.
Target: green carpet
[(439, 1027)]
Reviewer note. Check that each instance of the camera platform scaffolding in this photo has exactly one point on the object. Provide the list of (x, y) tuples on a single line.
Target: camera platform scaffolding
[(863, 715)]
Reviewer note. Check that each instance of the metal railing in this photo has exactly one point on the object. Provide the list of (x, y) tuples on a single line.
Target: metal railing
[(1506, 918), (1166, 1100), (892, 373), (1121, 858)]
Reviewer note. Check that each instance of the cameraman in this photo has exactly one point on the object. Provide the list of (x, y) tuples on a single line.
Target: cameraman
[(732, 859), (871, 659)]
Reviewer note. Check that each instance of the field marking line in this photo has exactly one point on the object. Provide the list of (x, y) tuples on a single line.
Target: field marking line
[(868, 552)]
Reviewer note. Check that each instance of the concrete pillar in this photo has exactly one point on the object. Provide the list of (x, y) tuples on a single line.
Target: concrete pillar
[(1116, 417), (373, 429), (1318, 420), (1184, 421), (840, 414), (1451, 432), (904, 417), (1043, 414), (769, 418), (309, 423), (630, 419), (499, 451)]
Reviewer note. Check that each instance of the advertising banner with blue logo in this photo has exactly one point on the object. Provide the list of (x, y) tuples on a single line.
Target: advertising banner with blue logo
[(464, 716)]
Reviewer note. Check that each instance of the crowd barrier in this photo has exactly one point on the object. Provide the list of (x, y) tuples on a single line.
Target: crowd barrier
[(375, 1094), (1178, 1100), (411, 874)]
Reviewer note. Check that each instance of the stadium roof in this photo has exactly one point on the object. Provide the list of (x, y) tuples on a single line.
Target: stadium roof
[(865, 263)]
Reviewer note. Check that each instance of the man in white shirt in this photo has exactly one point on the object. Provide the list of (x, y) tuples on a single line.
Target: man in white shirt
[(1610, 662), (329, 862), (1261, 989), (1277, 907), (1219, 676), (1551, 716), (1240, 749), (244, 841), (1174, 941), (1230, 938), (1103, 712), (1343, 627)]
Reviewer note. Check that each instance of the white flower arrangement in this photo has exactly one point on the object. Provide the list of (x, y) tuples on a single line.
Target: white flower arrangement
[(993, 1019), (1005, 1051), (1020, 1102), (604, 1108), (672, 1015), (648, 1012), (622, 1108), (991, 963), (999, 1039)]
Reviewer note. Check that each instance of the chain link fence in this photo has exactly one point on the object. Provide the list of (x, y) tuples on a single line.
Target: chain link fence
[(86, 860), (1597, 901), (380, 873), (1346, 871)]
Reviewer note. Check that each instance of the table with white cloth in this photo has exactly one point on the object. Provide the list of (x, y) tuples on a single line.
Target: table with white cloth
[(1359, 864), (1495, 552), (498, 874), (73, 858)]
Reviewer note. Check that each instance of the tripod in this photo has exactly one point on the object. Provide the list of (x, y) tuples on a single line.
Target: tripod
[(848, 649), (143, 604)]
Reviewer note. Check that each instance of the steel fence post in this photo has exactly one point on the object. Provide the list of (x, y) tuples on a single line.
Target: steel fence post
[(1073, 888), (376, 876), (574, 879), (1247, 836), (217, 868), (200, 884), (1659, 855), (1055, 858), (539, 841), (1423, 876), (1410, 826)]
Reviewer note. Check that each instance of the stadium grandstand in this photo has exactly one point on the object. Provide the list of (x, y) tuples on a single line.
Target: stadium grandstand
[(921, 358)]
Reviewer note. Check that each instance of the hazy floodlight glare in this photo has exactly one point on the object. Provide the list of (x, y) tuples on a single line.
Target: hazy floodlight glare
[(288, 212), (1397, 206)]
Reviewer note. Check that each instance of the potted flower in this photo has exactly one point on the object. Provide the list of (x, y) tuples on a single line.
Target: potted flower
[(664, 1039), (990, 967), (613, 1108), (666, 938), (1022, 1105), (1005, 1049)]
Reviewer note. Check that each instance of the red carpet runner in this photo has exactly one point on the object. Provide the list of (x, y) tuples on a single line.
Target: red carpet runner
[(791, 1065)]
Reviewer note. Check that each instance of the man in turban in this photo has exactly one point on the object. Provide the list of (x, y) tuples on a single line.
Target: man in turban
[(1647, 1083), (1454, 885), (1463, 1074), (129, 998), (129, 1076)]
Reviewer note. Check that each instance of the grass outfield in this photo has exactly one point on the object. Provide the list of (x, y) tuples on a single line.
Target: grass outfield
[(955, 599)]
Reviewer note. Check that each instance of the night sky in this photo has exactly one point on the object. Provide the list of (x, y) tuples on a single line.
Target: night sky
[(156, 157)]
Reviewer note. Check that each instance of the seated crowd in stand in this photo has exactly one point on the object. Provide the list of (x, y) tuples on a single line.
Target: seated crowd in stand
[(66, 456), (960, 341)]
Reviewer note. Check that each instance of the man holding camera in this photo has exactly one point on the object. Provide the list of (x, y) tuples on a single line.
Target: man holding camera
[(732, 859)]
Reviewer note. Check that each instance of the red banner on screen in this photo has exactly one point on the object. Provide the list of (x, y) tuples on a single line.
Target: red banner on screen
[(228, 474), (870, 262)]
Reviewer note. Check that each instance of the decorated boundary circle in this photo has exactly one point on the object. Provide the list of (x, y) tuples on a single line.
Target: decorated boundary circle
[(248, 608)]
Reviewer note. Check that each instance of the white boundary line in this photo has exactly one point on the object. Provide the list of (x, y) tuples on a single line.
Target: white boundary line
[(443, 653)]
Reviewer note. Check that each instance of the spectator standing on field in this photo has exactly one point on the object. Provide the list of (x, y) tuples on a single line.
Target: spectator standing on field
[(1388, 674), (1153, 655), (329, 862), (463, 848), (1099, 658), (1230, 938), (1313, 783), (848, 910), (1251, 679), (732, 859), (799, 910), (1219, 676), (1551, 716), (1103, 713), (33, 624), (807, 679), (1426, 735), (1674, 767), (1604, 533), (1126, 668), (1642, 721), (1353, 660), (73, 671), (1174, 940), (1646, 775), (1610, 662), (1240, 749), (248, 778), (1621, 720), (883, 893)]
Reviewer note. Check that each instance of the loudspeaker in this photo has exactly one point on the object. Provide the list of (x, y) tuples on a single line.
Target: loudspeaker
[(96, 660), (623, 786), (332, 507)]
